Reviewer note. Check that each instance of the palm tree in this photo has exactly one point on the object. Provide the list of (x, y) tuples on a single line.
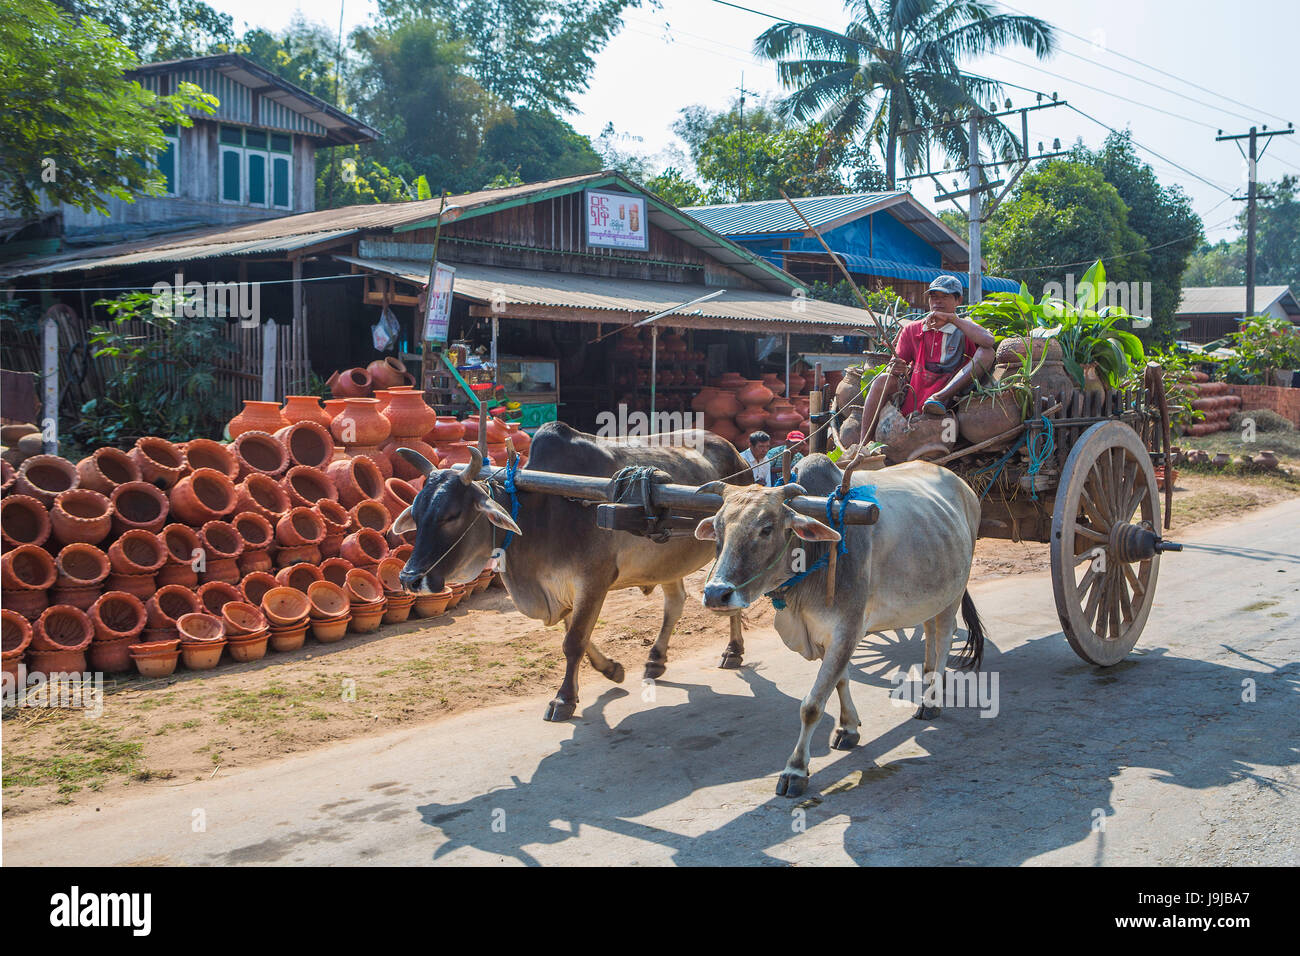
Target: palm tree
[(894, 68)]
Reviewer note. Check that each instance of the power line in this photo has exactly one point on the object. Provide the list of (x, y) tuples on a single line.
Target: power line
[(1124, 255)]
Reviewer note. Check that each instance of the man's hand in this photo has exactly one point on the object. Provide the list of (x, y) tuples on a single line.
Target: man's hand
[(937, 320), (897, 368)]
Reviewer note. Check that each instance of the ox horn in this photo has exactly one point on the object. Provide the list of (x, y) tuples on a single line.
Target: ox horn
[(474, 467), (792, 490), (417, 461), (713, 488)]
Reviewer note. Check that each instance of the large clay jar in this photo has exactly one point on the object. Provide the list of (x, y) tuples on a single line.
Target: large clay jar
[(62, 628), (848, 391), (752, 418), (455, 453), (797, 383), (306, 485), (333, 406), (723, 404), (137, 552), (304, 408), (44, 477), (80, 566), (353, 383), (81, 515), (497, 433), (470, 424), (261, 494), (360, 423), (402, 468), (1050, 376), (27, 568), (774, 383), (308, 443), (519, 438), (257, 417), (917, 436), (117, 616), (23, 520), (356, 480), (206, 453), (782, 418), (754, 394), (725, 428), (447, 429), (203, 496), (732, 381), (260, 452), (408, 415), (107, 468), (702, 398), (138, 504), (386, 372), (984, 416)]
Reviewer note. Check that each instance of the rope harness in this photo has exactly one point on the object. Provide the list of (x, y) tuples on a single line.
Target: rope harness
[(646, 477), (1040, 449), (859, 493)]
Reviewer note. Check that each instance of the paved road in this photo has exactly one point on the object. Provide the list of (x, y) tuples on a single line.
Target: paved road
[(1158, 760)]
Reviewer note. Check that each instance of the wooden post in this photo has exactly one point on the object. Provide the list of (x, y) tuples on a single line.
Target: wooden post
[(299, 328), (788, 396), (50, 381), (654, 367), (482, 428), (270, 348), (816, 414)]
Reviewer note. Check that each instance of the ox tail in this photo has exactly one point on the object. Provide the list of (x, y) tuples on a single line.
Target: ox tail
[(972, 653)]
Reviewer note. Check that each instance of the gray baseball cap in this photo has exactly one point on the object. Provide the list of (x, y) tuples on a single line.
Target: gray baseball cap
[(944, 283)]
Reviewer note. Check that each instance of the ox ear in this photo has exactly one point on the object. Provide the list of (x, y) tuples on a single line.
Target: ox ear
[(417, 461), (707, 530), (810, 529), (405, 521), (497, 515)]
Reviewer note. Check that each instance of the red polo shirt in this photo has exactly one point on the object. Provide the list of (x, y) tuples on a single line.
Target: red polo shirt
[(918, 346)]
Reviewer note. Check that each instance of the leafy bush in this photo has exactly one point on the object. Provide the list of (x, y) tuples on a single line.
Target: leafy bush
[(1263, 343), (1265, 421)]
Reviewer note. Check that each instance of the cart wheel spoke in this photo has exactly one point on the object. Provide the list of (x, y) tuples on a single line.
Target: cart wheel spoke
[(1134, 581), (1092, 535)]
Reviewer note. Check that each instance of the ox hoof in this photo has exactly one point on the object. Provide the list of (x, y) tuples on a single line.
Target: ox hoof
[(560, 709), (653, 670), (791, 784), (925, 712), (731, 661), (616, 672), (844, 739)]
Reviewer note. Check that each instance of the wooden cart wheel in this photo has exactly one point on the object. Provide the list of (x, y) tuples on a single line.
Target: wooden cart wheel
[(1105, 542)]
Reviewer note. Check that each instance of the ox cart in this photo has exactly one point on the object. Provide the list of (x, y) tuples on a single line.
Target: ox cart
[(1080, 477)]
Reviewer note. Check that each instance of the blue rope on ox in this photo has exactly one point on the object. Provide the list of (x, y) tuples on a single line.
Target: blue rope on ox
[(860, 493), (1040, 450), (509, 484)]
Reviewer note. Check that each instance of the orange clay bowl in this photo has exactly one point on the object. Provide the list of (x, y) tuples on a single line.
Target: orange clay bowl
[(389, 574), (328, 601), (329, 631), (285, 607), (363, 587), (242, 619), (200, 629)]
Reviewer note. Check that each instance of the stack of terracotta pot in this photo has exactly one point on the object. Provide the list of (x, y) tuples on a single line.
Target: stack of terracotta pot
[(734, 407), (1211, 399)]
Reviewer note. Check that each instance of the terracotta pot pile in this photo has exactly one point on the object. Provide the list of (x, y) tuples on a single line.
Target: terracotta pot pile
[(1213, 399), (115, 552), (734, 407)]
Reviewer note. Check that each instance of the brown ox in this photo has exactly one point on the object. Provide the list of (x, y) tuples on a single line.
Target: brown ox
[(559, 566)]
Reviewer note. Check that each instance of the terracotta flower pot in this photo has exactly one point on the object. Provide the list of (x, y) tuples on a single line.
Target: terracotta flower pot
[(30, 604), (458, 593), (256, 416), (15, 634), (337, 519), (398, 609), (81, 566), (363, 587), (214, 595), (307, 553), (329, 630), (29, 568), (402, 552), (225, 570), (257, 533), (304, 408), (202, 496), (62, 628), (202, 656), (389, 575), (81, 516), (220, 540), (300, 526), (328, 600), (251, 648), (8, 476), (408, 415), (398, 496), (366, 546), (289, 639), (308, 443), (306, 485), (110, 657), (261, 453), (168, 604), (154, 664), (117, 616), (175, 572), (432, 603), (160, 462), (352, 383), (23, 520), (366, 618), (402, 468), (79, 597), (105, 469), (299, 576), (141, 585), (376, 454), (331, 545), (285, 607), (261, 495), (137, 552), (43, 477), (251, 562), (336, 570), (56, 662), (360, 423), (206, 453), (138, 505), (372, 515), (242, 619), (256, 584), (357, 479), (200, 628)]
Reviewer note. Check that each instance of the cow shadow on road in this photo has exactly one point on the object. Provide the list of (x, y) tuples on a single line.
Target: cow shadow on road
[(1037, 777)]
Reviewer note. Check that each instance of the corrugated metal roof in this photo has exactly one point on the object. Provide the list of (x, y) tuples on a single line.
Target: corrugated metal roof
[(743, 309), (1231, 300), (284, 233), (775, 215), (871, 265)]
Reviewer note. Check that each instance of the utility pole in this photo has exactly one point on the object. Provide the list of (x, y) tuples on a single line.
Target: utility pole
[(1252, 162), (744, 156), (979, 212)]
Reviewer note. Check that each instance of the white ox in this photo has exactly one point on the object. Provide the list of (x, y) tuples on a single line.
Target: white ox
[(910, 567)]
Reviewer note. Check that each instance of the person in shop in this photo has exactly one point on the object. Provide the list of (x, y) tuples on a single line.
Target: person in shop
[(757, 457)]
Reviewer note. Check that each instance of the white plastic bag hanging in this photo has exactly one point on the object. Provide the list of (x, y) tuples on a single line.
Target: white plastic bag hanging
[(384, 332)]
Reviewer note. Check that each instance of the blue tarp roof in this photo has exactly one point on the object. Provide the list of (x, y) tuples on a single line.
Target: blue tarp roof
[(907, 270)]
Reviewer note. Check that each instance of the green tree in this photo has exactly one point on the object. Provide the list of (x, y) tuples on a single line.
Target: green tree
[(897, 66), (303, 53), (1277, 243), (158, 29), (73, 128), (1062, 216), (804, 161), (350, 178), (534, 53), (534, 145), (1161, 215), (675, 187), (1223, 263)]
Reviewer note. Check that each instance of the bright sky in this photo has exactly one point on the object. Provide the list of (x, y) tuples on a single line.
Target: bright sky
[(694, 51)]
